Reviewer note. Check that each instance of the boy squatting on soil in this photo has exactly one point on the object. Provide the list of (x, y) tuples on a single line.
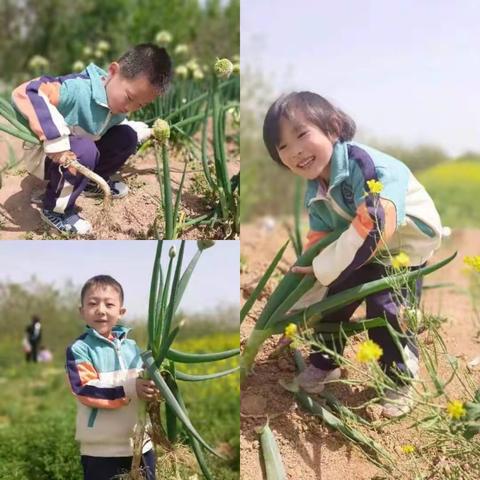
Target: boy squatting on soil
[(103, 367), (305, 133), (84, 114)]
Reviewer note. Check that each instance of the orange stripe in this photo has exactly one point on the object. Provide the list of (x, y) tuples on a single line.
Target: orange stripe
[(87, 372), (390, 218), (312, 238), (363, 223), (23, 104)]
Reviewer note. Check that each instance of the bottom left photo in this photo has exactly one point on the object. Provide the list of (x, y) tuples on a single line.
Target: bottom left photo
[(119, 359)]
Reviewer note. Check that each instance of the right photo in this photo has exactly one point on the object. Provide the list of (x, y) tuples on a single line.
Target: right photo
[(360, 241)]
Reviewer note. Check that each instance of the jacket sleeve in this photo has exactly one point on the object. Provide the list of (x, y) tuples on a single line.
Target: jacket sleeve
[(377, 218), (318, 229), (37, 100), (87, 386)]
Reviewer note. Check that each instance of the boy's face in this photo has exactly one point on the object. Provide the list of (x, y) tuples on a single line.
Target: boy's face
[(102, 308), (127, 95), (304, 148)]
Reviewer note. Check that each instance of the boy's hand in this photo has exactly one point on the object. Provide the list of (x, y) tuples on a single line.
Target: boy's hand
[(303, 270), (63, 157), (146, 389), (142, 130)]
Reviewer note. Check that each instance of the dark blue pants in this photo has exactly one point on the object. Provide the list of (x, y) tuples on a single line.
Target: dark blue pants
[(104, 157), (107, 468), (385, 304)]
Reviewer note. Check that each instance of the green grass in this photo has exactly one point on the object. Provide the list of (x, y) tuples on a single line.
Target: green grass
[(37, 415), (454, 188)]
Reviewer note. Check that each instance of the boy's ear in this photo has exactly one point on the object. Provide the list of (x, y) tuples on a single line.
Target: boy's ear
[(123, 311), (80, 309), (113, 68)]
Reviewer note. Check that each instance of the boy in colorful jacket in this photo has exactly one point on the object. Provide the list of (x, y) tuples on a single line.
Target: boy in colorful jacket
[(103, 368), (83, 116), (387, 217)]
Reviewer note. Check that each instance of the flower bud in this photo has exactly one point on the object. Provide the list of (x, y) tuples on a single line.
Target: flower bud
[(172, 252), (181, 71), (161, 130), (223, 68), (204, 244), (78, 66), (163, 38)]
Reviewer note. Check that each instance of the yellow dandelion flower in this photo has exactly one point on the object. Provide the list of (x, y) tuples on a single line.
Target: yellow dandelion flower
[(408, 449), (374, 186), (456, 409), (369, 351), (473, 261), (402, 260), (291, 330)]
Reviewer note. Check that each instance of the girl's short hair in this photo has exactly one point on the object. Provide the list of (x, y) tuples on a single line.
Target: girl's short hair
[(101, 281), (315, 109)]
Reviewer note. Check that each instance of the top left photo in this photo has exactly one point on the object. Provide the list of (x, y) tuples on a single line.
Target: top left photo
[(119, 120)]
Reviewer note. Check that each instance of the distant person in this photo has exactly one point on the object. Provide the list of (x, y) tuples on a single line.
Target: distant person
[(33, 337), (83, 116), (44, 355), (103, 368), (385, 212)]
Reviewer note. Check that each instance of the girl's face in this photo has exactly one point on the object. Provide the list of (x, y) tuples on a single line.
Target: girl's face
[(304, 148)]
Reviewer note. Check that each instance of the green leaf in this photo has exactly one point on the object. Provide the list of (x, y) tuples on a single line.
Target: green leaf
[(261, 284), (201, 378), (183, 357)]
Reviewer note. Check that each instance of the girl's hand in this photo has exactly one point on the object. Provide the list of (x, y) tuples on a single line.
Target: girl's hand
[(303, 270), (146, 389)]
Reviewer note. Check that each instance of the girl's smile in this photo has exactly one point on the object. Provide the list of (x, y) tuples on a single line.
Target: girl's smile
[(304, 148)]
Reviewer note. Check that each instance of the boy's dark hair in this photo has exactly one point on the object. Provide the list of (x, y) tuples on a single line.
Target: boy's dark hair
[(150, 60), (315, 109), (101, 281)]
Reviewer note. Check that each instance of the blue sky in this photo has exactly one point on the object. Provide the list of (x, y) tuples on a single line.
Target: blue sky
[(215, 281), (406, 71)]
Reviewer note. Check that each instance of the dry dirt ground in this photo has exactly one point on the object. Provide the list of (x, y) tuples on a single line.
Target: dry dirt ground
[(132, 217), (310, 450)]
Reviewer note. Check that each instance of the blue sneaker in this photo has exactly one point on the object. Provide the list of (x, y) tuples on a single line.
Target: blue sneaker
[(69, 223), (118, 189)]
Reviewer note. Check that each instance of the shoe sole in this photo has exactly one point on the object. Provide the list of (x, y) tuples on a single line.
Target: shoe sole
[(51, 224), (335, 375)]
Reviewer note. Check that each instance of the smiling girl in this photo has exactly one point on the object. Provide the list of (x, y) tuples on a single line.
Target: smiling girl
[(384, 211)]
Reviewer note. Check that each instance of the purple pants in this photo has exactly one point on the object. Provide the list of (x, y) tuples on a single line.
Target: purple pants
[(104, 157), (385, 304)]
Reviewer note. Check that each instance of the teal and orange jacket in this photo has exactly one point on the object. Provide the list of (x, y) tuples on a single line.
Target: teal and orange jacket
[(400, 218), (57, 107), (102, 374)]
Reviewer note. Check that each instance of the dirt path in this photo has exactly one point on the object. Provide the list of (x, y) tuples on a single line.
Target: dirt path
[(309, 450), (132, 217)]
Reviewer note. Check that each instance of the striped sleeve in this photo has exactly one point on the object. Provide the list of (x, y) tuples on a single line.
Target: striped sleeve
[(319, 228), (37, 100), (86, 385), (374, 223)]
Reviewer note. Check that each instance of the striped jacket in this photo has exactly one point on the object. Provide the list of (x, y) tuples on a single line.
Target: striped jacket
[(102, 374), (402, 217), (74, 104)]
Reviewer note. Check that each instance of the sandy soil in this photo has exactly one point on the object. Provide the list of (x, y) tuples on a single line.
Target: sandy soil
[(132, 217), (310, 450)]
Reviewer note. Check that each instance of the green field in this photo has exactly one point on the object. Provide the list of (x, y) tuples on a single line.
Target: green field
[(454, 187), (37, 414)]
